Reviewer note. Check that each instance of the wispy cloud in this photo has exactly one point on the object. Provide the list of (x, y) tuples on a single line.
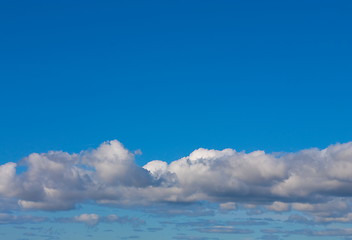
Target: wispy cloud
[(224, 229), (185, 237), (92, 219), (14, 219), (332, 232)]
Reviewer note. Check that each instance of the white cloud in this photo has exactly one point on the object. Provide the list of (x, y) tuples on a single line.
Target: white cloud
[(92, 219), (8, 179), (279, 206), (228, 206), (305, 180), (89, 219), (156, 168)]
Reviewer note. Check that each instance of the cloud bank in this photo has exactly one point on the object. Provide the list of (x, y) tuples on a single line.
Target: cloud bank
[(312, 180)]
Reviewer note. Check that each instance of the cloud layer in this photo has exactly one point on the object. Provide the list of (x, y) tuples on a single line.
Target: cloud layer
[(312, 180)]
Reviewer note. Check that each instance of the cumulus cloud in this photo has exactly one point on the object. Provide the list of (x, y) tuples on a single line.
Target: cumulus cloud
[(8, 179), (114, 165), (312, 180)]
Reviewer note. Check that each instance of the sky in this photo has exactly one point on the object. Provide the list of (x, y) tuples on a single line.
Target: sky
[(189, 120)]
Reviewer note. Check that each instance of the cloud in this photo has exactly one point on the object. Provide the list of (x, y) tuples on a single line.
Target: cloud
[(295, 218), (14, 219), (185, 237), (278, 206), (8, 179), (313, 181), (175, 209), (224, 229), (329, 232), (114, 165), (228, 206), (89, 219), (269, 237), (92, 219), (219, 226), (131, 237)]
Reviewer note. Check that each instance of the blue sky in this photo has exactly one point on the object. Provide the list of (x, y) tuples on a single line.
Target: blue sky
[(165, 78)]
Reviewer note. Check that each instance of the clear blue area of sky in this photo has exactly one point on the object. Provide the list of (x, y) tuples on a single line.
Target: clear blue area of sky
[(168, 77)]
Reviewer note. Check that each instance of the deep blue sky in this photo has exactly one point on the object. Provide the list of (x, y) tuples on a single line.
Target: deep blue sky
[(167, 77)]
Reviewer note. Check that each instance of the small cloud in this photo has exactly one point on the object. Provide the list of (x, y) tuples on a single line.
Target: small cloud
[(131, 237), (295, 218), (138, 152), (181, 237), (154, 229), (278, 206), (89, 219), (269, 237), (18, 219), (228, 206), (94, 219), (224, 229)]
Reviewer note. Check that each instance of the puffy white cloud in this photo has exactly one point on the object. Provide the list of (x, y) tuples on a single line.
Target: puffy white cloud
[(228, 175), (315, 172), (305, 180), (115, 165), (156, 168)]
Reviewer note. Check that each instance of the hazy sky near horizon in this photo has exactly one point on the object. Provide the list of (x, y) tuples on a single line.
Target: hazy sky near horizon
[(192, 120)]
